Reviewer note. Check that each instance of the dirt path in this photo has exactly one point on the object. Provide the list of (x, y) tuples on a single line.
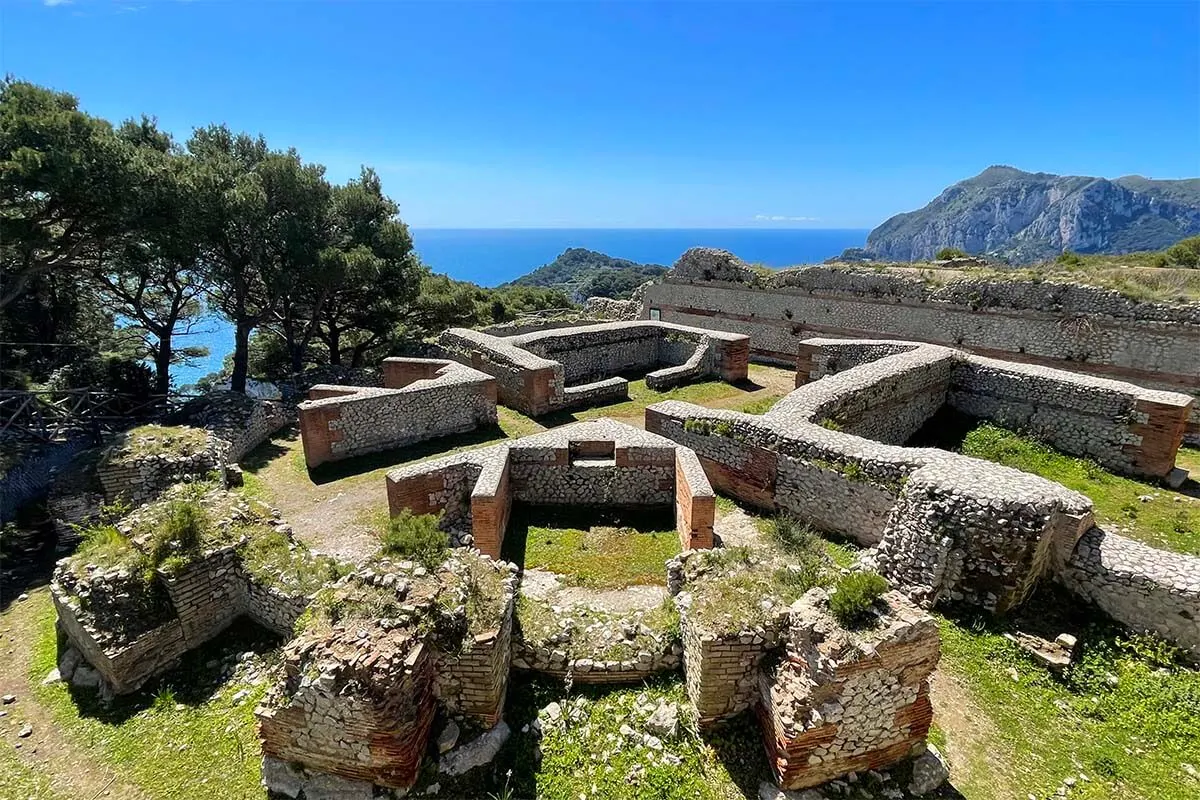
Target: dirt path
[(979, 765), (736, 528), (542, 585), (47, 751)]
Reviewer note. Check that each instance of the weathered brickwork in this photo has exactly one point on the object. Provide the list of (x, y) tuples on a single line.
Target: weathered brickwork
[(945, 527), (420, 399), (842, 701), (548, 370), (126, 475), (1071, 327), (599, 463)]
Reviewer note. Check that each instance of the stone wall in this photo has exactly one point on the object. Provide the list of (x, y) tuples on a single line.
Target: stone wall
[(942, 526), (547, 370), (1123, 427), (241, 422), (196, 603), (137, 479), (1072, 327), (842, 701), (599, 463), (1145, 588), (420, 399)]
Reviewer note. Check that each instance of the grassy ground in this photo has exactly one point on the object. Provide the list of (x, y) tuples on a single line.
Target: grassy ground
[(182, 736), (1168, 519), (1124, 722), (596, 550)]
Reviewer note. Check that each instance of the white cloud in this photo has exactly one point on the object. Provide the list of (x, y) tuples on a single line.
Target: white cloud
[(53, 3), (782, 218)]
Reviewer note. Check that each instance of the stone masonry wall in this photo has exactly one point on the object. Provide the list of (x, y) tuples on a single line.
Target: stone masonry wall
[(1143, 587), (547, 370), (421, 399), (1077, 328), (139, 479), (1123, 427), (843, 701)]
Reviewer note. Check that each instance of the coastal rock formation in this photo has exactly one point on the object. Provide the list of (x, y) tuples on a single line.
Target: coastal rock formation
[(1025, 217)]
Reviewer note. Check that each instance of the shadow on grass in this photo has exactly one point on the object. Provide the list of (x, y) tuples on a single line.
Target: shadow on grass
[(201, 673), (443, 445), (270, 450)]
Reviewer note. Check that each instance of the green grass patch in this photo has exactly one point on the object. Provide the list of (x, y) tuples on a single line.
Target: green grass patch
[(759, 406), (1169, 520), (615, 550), (181, 737), (20, 781), (1125, 715), (160, 440), (416, 537)]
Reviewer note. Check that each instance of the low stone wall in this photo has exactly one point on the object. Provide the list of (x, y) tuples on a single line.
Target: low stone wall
[(595, 671), (1123, 427), (473, 679), (1140, 586), (844, 701), (420, 399), (241, 422), (599, 463), (139, 479), (722, 669), (1067, 326), (197, 603), (535, 372), (361, 719), (945, 527)]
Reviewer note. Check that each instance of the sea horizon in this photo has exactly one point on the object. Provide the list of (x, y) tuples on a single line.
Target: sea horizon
[(493, 256)]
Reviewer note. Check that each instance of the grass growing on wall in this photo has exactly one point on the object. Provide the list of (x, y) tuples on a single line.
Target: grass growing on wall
[(1169, 520), (598, 556)]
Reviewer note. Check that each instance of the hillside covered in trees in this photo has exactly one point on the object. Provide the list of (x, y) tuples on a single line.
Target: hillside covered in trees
[(583, 273), (115, 240)]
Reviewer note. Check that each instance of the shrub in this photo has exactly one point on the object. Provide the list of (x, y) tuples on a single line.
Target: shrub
[(792, 535), (947, 253), (830, 424), (416, 537), (856, 592)]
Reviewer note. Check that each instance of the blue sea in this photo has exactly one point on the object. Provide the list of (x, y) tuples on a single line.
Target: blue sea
[(490, 257)]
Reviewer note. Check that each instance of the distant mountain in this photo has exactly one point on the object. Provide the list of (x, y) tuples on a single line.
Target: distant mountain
[(585, 273), (1025, 217)]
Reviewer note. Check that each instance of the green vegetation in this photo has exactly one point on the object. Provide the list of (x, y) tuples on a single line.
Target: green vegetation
[(160, 440), (1126, 715), (196, 737), (947, 253), (276, 561), (855, 594), (597, 556), (1165, 519), (760, 406), (585, 273), (416, 537)]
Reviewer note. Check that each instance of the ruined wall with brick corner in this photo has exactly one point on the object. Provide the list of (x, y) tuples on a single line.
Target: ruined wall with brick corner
[(547, 370), (421, 399), (1140, 586), (842, 701), (362, 719), (695, 502), (1123, 427), (1067, 326), (242, 422)]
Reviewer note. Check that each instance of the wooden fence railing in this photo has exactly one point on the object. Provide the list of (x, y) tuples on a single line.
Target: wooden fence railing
[(61, 415)]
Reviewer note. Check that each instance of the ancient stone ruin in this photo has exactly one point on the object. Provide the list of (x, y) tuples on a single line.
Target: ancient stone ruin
[(562, 368), (420, 399), (942, 526), (378, 650), (591, 464)]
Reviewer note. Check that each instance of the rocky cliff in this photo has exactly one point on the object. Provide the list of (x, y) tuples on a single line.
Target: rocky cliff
[(1026, 217)]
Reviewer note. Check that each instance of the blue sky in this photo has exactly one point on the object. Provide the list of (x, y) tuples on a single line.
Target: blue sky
[(647, 114)]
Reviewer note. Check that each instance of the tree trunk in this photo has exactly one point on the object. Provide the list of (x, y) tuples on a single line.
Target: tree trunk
[(241, 356), (335, 347), (162, 363)]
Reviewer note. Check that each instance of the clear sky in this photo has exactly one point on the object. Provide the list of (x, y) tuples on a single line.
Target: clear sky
[(648, 114)]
